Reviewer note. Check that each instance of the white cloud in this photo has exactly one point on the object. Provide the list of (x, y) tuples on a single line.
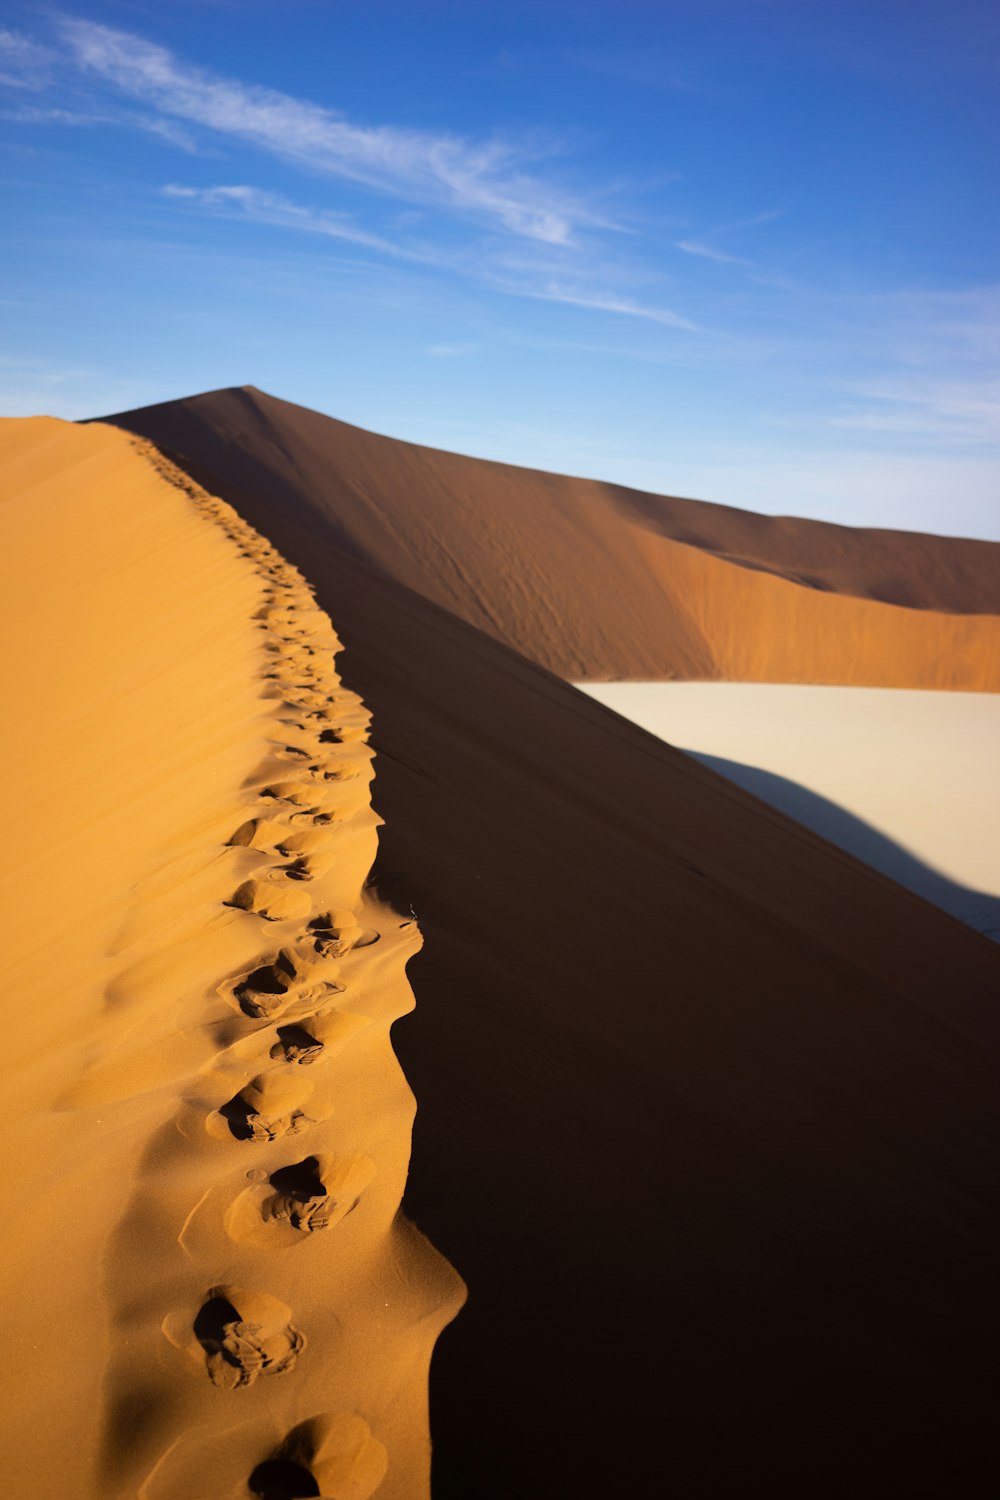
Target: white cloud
[(531, 281), (482, 180), (599, 301), (166, 130), (275, 209)]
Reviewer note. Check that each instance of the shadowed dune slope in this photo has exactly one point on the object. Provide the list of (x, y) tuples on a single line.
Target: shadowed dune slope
[(595, 581), (704, 1102)]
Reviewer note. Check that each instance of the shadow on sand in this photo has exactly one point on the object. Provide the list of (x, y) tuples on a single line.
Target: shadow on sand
[(976, 909)]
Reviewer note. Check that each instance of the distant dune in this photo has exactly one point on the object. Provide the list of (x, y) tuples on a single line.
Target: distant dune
[(702, 1100), (595, 581)]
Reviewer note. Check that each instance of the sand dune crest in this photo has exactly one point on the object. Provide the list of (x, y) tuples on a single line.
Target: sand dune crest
[(595, 581), (254, 1137)]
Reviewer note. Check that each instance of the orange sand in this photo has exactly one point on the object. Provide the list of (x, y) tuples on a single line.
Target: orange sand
[(204, 1268)]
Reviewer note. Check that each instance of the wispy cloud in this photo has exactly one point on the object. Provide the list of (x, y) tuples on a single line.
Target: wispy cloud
[(605, 302), (24, 63), (541, 242), (738, 225), (282, 213), (36, 114), (709, 252), (935, 411), (520, 278), (705, 250), (484, 180), (166, 130)]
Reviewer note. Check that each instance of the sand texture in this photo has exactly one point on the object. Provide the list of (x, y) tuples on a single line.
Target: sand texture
[(906, 781), (595, 581), (208, 1290), (704, 1101)]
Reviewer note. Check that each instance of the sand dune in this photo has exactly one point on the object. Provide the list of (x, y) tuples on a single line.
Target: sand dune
[(703, 1101), (208, 1290), (906, 781), (595, 581)]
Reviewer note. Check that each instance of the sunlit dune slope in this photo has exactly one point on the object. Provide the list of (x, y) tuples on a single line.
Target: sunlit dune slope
[(704, 1102), (597, 581), (204, 1273)]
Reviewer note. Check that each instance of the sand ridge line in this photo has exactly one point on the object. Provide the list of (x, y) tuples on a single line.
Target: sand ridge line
[(597, 582), (204, 1290)]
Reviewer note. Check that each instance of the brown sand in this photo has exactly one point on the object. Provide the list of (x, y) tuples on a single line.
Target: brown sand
[(207, 1131), (705, 1104), (595, 581)]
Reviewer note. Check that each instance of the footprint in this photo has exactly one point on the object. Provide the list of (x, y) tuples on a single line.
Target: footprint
[(300, 1199), (296, 1045), (337, 1455), (312, 1194), (257, 833), (293, 974), (298, 793), (309, 841), (267, 1107), (265, 990), (312, 866), (282, 1479), (275, 899), (292, 752), (302, 1041), (245, 1335), (338, 932)]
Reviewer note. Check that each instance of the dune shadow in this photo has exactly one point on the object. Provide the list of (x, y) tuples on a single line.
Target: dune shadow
[(977, 909)]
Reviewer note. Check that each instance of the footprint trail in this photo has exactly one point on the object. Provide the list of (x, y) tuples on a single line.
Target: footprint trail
[(274, 1313)]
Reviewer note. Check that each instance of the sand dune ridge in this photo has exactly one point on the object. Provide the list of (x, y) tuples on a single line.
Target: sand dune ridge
[(266, 1315), (595, 581)]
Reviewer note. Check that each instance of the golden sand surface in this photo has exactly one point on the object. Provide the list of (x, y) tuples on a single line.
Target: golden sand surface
[(207, 1284)]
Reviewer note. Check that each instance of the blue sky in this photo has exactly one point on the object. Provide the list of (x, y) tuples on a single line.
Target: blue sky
[(739, 249)]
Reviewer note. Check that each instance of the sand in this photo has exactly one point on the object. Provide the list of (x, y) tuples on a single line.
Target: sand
[(703, 1100), (907, 781), (206, 1281), (595, 581)]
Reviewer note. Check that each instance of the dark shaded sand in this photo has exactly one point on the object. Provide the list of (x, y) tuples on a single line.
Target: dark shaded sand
[(705, 1105), (597, 581)]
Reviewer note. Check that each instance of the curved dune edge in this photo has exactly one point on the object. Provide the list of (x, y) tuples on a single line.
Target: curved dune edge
[(756, 626), (243, 1299), (595, 582)]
